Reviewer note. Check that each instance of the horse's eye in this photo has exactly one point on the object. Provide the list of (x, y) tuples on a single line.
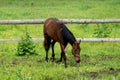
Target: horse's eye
[(76, 50)]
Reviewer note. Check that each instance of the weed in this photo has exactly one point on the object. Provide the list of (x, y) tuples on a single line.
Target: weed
[(102, 31), (18, 74)]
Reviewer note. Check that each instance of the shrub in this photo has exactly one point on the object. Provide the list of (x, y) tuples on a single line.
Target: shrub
[(26, 46)]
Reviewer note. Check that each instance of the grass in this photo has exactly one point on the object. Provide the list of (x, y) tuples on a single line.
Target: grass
[(99, 61), (40, 9), (33, 67)]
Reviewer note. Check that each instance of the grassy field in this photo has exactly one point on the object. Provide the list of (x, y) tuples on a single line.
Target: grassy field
[(42, 9), (99, 61)]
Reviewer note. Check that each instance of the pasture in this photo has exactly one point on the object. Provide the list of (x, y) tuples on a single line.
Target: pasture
[(99, 61)]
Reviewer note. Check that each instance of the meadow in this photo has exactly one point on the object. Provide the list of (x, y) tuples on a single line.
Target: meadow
[(99, 61)]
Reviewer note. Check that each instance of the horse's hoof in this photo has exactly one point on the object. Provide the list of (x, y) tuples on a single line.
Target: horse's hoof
[(52, 59), (65, 66), (46, 59), (58, 61)]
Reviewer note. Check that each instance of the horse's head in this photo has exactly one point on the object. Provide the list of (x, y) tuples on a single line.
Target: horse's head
[(76, 50)]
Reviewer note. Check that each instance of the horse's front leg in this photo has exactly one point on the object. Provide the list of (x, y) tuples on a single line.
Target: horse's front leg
[(63, 54), (62, 51)]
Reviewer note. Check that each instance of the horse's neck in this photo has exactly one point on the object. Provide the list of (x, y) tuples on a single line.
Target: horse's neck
[(67, 35), (72, 42), (70, 39)]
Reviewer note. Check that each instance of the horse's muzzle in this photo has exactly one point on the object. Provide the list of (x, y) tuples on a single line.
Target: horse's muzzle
[(78, 61), (77, 58)]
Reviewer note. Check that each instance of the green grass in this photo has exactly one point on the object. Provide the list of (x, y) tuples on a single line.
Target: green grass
[(42, 9), (99, 61)]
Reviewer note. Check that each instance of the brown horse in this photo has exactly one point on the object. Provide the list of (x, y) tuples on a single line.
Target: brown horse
[(56, 31)]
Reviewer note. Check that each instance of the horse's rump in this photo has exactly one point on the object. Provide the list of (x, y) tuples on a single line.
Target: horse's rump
[(52, 28)]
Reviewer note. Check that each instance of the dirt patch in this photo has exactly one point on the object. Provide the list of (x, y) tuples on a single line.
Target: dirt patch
[(99, 74), (107, 57)]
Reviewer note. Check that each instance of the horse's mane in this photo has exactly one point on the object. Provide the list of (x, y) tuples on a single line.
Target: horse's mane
[(67, 34)]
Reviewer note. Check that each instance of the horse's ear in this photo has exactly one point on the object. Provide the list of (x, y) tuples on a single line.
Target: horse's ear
[(79, 41)]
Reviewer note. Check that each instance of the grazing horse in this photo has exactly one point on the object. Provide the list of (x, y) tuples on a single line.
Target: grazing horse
[(56, 31)]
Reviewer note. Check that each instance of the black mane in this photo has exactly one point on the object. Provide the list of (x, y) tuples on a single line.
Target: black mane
[(67, 34)]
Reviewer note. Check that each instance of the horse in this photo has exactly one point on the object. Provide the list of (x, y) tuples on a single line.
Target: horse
[(56, 31)]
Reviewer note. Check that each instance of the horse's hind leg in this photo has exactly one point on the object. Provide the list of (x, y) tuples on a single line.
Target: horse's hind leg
[(47, 42), (53, 54)]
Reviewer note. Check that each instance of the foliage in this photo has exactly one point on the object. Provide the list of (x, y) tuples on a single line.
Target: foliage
[(26, 46), (18, 73), (20, 77), (102, 31)]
